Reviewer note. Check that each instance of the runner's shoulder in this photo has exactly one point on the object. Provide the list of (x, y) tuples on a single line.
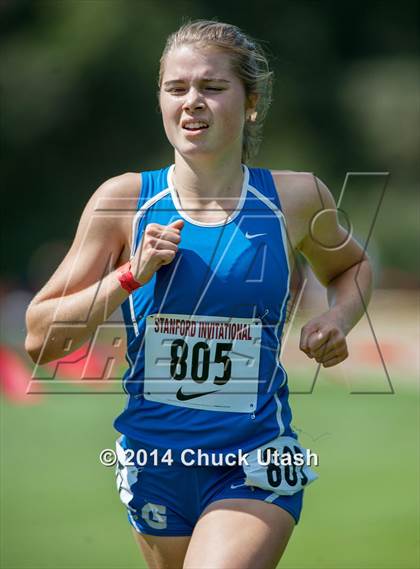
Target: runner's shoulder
[(121, 191), (302, 195), (114, 203), (301, 190)]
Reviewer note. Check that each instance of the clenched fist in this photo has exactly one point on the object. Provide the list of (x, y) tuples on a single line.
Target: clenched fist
[(158, 247), (323, 339)]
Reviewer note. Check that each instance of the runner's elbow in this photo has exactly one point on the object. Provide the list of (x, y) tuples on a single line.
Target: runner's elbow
[(32, 344), (35, 345), (34, 348), (31, 348)]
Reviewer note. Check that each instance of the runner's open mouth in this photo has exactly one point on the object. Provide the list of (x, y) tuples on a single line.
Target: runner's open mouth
[(194, 126)]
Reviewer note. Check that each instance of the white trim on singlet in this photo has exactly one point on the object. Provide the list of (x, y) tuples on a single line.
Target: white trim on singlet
[(229, 219), (282, 222), (136, 220), (278, 414), (133, 316), (142, 210), (279, 214)]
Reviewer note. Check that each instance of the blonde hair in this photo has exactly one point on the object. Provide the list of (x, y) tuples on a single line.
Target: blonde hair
[(249, 62)]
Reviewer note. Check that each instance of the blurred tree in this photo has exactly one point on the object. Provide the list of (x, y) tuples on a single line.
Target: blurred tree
[(78, 103)]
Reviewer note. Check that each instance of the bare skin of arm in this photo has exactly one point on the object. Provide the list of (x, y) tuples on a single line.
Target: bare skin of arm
[(84, 290), (334, 256)]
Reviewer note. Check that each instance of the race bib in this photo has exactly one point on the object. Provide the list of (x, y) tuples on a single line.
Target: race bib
[(203, 362), (280, 466)]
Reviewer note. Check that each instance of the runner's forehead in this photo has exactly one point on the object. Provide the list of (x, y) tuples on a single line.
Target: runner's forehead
[(191, 63)]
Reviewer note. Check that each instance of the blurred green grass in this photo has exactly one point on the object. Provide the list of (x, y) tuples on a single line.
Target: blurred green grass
[(60, 508)]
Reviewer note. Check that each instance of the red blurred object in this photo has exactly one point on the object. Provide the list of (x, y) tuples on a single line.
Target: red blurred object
[(15, 378), (84, 364)]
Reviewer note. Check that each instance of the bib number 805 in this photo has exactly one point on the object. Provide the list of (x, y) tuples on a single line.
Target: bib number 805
[(200, 354)]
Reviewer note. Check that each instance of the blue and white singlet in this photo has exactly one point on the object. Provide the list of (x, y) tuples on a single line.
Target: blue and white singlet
[(204, 334)]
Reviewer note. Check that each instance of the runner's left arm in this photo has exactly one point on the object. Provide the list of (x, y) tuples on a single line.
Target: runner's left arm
[(342, 266)]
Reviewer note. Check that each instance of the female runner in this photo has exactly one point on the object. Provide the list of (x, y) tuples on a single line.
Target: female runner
[(201, 266)]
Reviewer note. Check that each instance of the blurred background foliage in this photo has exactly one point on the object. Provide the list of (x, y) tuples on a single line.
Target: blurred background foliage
[(78, 105)]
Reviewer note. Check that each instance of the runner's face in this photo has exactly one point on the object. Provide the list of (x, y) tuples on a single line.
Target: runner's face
[(202, 102)]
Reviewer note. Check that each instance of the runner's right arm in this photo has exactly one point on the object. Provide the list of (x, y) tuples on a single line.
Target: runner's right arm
[(84, 290)]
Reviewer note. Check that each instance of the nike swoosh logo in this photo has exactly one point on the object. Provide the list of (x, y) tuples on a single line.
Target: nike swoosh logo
[(233, 486), (186, 396), (251, 236)]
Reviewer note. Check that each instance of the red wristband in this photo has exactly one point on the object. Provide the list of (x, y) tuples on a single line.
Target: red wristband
[(125, 276)]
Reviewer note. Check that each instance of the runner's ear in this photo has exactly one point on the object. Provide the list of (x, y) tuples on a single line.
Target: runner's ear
[(251, 106)]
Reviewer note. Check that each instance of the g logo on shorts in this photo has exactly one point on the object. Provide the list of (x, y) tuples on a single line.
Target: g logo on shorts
[(154, 515)]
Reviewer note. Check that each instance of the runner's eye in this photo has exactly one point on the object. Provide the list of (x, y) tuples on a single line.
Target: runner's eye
[(178, 90)]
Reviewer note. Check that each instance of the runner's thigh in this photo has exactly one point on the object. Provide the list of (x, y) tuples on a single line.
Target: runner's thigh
[(239, 534), (163, 552)]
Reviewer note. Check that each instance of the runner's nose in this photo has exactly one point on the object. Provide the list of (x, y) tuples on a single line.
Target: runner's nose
[(193, 100)]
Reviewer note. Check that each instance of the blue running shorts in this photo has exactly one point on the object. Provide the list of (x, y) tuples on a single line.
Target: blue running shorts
[(167, 500)]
